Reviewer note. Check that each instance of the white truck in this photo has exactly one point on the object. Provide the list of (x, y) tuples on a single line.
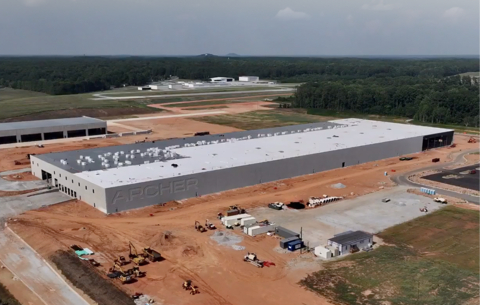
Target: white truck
[(441, 200)]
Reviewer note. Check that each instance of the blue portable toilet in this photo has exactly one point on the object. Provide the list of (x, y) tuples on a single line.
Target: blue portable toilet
[(295, 245)]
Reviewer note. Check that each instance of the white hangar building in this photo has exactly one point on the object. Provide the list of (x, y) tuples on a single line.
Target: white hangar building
[(120, 178)]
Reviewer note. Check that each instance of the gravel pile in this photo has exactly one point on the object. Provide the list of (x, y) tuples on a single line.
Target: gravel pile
[(338, 186), (226, 238), (238, 248)]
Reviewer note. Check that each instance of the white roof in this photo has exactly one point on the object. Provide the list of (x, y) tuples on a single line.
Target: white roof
[(355, 132)]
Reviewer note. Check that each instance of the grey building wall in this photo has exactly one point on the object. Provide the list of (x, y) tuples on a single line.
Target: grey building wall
[(48, 129), (139, 195), (85, 190)]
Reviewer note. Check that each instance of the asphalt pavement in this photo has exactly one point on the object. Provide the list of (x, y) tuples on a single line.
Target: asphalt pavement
[(403, 179)]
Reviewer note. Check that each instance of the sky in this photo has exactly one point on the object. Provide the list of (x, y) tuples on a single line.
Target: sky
[(247, 27)]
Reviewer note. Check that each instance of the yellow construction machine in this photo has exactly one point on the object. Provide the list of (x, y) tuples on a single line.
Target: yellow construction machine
[(137, 259), (124, 277), (199, 227), (152, 255)]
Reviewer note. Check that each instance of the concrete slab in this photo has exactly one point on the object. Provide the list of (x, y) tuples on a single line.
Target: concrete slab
[(35, 273), (14, 205), (367, 213)]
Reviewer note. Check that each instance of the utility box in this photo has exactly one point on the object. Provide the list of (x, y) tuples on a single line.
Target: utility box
[(295, 245), (285, 233), (247, 221), (285, 241)]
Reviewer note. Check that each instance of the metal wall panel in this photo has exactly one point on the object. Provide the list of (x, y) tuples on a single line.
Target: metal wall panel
[(139, 195)]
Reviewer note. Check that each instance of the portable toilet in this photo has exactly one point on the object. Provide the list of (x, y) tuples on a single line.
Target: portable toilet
[(295, 245)]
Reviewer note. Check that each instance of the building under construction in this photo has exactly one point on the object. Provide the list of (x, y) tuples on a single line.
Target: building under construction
[(120, 178)]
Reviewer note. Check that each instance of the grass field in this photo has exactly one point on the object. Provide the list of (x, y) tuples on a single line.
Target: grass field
[(17, 103), (246, 97), (430, 260), (262, 119)]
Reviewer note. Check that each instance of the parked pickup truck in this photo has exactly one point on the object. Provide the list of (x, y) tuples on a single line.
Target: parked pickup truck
[(406, 158)]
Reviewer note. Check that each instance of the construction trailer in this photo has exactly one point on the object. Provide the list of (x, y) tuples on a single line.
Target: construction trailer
[(326, 252), (231, 220), (41, 130), (247, 221), (284, 242), (132, 176), (295, 245), (351, 241), (257, 230)]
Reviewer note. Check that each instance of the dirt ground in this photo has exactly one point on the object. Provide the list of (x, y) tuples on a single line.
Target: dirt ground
[(26, 176), (218, 271)]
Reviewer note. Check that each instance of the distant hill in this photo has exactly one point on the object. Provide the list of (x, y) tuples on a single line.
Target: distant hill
[(232, 55)]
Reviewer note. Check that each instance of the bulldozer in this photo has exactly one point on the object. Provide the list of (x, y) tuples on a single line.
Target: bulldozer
[(199, 227), (152, 255), (133, 255), (253, 259), (135, 271)]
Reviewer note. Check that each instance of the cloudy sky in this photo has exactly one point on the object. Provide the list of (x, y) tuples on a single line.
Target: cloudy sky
[(247, 27)]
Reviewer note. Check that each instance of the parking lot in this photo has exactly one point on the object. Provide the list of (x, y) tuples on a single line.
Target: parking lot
[(460, 177), (367, 213)]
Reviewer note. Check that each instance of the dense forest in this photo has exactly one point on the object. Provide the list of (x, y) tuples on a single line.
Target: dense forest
[(453, 100), (423, 89)]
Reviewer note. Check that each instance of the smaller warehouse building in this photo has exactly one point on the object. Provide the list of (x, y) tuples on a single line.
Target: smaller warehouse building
[(29, 131), (222, 79), (248, 79), (351, 241)]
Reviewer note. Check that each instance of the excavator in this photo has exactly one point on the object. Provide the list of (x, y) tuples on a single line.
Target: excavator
[(199, 227), (124, 277), (137, 259)]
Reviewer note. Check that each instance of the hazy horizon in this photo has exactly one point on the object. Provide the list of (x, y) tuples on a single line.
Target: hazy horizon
[(302, 28)]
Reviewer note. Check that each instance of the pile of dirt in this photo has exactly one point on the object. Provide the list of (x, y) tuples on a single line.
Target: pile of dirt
[(83, 276), (338, 186)]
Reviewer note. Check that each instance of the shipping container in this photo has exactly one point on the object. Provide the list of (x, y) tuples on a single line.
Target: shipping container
[(231, 220), (285, 233), (295, 245), (247, 221), (284, 242), (257, 230)]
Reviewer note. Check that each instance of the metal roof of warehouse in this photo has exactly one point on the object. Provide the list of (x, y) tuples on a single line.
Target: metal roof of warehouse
[(231, 150), (48, 123), (349, 238)]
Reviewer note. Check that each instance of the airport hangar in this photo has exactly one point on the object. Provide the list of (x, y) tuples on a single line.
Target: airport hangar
[(125, 177), (30, 131)]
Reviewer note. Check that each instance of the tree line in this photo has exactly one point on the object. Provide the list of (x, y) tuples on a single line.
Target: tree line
[(70, 75), (446, 100)]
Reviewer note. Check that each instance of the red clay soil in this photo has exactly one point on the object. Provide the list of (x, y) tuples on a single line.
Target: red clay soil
[(219, 272), (26, 176)]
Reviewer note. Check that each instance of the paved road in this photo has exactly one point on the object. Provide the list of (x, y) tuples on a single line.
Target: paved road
[(403, 179), (34, 272), (100, 96)]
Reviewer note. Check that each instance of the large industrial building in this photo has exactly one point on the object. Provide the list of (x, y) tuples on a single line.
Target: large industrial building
[(248, 79), (131, 176), (222, 79), (30, 131)]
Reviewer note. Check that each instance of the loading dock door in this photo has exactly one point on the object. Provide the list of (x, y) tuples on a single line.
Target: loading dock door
[(46, 175)]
